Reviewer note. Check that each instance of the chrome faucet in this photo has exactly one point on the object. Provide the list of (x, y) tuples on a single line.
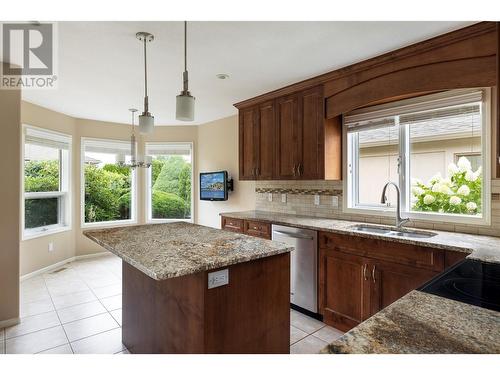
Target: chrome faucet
[(399, 220)]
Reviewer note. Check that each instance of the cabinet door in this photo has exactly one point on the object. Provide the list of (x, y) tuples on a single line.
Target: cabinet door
[(286, 137), (248, 142), (311, 144), (391, 281), (265, 140), (343, 289)]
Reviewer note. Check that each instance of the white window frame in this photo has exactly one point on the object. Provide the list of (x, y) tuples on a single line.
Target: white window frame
[(65, 172), (147, 187), (133, 192), (350, 168)]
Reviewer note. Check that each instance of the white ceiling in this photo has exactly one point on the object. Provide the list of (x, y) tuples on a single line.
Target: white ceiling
[(101, 74)]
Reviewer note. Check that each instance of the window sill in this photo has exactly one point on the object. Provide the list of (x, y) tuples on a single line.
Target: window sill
[(30, 235), (109, 224), (164, 221)]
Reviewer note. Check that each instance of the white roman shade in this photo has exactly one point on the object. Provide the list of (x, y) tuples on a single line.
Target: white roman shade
[(173, 148), (449, 104), (107, 146), (39, 137)]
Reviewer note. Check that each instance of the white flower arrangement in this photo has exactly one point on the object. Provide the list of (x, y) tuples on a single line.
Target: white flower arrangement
[(460, 192)]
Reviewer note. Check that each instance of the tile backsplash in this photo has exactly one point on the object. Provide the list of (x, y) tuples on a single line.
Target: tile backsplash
[(300, 201)]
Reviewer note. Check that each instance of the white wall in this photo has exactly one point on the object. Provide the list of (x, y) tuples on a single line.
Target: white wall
[(218, 150)]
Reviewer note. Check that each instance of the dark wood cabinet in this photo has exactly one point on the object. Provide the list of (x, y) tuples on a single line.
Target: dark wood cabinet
[(256, 141), (288, 138), (310, 139), (343, 289), (253, 228), (361, 276), (390, 281), (248, 142)]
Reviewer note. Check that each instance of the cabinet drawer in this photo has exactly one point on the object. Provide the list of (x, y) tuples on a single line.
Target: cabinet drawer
[(257, 229), (234, 225), (408, 254)]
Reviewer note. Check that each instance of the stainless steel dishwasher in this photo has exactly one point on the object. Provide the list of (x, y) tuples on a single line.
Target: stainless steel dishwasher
[(304, 265)]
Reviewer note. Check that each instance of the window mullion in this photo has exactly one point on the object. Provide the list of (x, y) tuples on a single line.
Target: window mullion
[(404, 164)]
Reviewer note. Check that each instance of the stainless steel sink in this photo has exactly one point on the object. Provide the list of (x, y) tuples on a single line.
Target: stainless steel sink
[(391, 231)]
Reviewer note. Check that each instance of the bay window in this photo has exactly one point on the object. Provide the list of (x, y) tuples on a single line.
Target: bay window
[(169, 182), (435, 147), (108, 189), (46, 171)]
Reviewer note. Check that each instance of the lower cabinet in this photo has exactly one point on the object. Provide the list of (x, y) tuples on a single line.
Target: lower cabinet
[(354, 287), (251, 227)]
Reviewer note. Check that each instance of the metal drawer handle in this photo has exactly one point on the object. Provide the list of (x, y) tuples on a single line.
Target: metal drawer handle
[(365, 266), (373, 273)]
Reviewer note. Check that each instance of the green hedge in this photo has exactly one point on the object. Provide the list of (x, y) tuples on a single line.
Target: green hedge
[(169, 206)]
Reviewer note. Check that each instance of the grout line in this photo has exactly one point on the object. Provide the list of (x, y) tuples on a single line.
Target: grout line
[(57, 314)]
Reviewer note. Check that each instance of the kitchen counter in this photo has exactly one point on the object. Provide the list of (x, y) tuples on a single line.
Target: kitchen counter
[(422, 323), (484, 248), (418, 322), (163, 251), (191, 289)]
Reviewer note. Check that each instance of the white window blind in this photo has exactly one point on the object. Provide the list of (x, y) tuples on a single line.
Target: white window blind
[(156, 149), (442, 105), (45, 138), (107, 146)]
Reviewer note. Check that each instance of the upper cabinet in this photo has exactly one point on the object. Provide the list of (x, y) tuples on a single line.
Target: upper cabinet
[(288, 138), (256, 141)]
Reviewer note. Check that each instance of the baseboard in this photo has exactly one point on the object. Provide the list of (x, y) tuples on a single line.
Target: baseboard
[(9, 322), (61, 263)]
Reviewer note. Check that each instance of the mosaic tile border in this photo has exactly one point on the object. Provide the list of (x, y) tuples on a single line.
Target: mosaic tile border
[(299, 191)]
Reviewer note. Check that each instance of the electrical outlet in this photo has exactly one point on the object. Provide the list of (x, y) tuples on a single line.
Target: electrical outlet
[(270, 197), (218, 278), (283, 198), (316, 200), (51, 246), (335, 201)]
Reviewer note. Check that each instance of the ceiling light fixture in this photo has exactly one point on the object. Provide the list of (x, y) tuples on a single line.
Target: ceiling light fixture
[(184, 106), (222, 76), (146, 119), (141, 162)]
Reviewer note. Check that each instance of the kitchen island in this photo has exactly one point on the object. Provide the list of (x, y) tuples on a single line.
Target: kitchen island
[(175, 300)]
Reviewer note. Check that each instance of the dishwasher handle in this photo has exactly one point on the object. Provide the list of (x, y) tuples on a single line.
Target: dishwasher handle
[(293, 235)]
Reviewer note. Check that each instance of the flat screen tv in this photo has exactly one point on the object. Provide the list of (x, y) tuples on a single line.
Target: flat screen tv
[(213, 186)]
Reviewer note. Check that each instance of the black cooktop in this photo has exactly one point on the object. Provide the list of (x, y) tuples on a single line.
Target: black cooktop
[(469, 281)]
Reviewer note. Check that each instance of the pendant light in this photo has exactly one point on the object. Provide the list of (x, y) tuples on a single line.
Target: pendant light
[(146, 119), (184, 106), (141, 162)]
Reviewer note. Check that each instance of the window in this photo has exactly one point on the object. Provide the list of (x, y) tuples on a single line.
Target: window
[(46, 182), (169, 182), (435, 147), (108, 190)]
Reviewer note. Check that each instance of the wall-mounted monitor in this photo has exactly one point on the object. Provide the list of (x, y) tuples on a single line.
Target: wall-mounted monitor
[(214, 186)]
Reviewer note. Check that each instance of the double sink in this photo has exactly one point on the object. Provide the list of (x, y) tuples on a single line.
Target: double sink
[(392, 231)]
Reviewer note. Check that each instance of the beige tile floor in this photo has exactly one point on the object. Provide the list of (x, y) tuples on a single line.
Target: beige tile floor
[(77, 309)]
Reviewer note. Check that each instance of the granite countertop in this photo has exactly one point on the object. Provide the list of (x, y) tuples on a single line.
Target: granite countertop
[(484, 248), (163, 251), (422, 323)]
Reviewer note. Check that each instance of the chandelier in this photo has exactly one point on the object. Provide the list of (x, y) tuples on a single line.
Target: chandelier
[(135, 161)]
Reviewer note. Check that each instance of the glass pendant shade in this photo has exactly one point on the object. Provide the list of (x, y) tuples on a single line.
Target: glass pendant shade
[(184, 108), (146, 123)]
